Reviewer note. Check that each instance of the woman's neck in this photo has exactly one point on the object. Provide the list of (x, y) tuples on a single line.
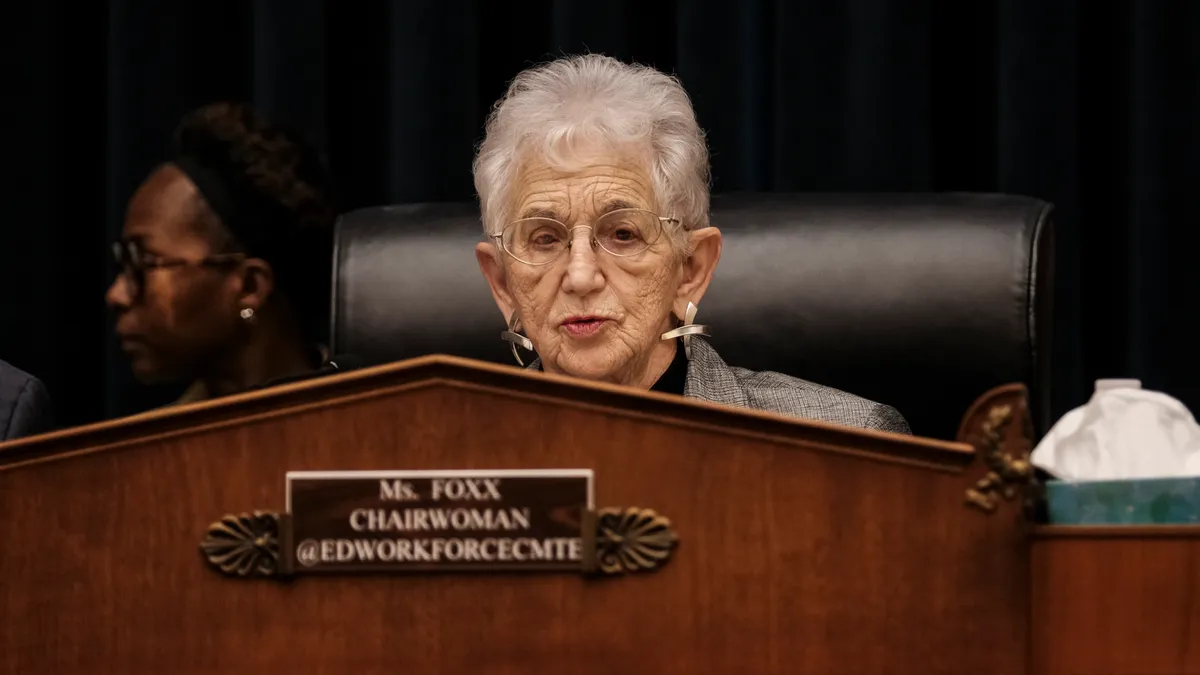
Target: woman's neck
[(265, 358), (660, 360)]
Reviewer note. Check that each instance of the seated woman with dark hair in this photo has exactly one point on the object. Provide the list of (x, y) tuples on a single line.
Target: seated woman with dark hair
[(224, 260)]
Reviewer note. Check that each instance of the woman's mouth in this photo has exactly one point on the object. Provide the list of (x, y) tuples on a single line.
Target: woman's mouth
[(583, 326)]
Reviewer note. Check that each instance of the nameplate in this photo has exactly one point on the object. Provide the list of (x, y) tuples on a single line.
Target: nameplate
[(428, 521)]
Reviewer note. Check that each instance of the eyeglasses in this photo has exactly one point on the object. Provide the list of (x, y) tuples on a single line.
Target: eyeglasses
[(621, 233), (132, 262)]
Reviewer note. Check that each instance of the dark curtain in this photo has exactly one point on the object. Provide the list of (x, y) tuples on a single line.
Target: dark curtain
[(1091, 105)]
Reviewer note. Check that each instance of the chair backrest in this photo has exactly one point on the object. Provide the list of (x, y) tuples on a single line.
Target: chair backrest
[(921, 301)]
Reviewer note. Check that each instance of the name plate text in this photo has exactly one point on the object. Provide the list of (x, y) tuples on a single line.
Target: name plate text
[(422, 521)]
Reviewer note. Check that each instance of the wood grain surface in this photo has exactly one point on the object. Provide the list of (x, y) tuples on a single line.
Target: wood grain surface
[(1116, 600), (804, 548)]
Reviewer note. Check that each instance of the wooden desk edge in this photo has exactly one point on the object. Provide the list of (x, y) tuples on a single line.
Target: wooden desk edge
[(1114, 532), (436, 370)]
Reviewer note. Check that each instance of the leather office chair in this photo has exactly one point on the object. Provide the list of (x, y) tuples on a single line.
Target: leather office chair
[(921, 301)]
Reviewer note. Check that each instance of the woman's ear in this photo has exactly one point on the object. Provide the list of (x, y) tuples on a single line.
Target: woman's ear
[(492, 267), (698, 268), (257, 284)]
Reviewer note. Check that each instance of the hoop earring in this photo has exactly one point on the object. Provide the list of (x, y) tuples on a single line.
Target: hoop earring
[(687, 329), (515, 339)]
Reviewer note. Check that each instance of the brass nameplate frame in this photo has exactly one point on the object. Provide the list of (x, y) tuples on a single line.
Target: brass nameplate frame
[(398, 522)]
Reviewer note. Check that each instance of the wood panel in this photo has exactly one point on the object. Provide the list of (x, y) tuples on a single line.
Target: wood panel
[(805, 548), (1116, 600)]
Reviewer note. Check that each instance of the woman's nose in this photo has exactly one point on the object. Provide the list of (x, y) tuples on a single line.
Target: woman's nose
[(117, 295), (580, 238), (583, 273)]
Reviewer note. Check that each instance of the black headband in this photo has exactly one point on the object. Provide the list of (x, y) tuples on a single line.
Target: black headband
[(240, 212), (298, 256)]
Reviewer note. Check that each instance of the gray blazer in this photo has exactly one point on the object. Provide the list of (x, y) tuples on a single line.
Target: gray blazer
[(710, 379), (24, 404)]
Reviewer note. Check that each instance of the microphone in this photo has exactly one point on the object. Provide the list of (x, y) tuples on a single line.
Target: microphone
[(342, 363)]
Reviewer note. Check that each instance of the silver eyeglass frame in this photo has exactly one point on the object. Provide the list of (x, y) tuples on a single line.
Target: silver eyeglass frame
[(499, 237)]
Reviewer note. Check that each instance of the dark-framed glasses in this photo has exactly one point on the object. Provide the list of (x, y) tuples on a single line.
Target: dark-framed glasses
[(621, 233), (132, 262)]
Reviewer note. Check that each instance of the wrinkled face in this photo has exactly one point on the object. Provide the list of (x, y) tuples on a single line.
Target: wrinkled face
[(589, 313), (184, 317)]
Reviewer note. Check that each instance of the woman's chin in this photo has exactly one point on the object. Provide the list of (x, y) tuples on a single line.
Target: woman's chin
[(588, 367), (592, 373)]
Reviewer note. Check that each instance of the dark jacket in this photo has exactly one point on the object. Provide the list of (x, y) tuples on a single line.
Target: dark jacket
[(24, 404)]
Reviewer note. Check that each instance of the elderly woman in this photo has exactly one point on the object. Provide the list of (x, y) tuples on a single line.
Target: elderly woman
[(593, 183)]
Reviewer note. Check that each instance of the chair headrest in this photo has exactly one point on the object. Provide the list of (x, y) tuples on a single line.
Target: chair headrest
[(921, 301)]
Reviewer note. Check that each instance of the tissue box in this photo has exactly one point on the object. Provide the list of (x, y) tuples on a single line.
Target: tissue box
[(1147, 501)]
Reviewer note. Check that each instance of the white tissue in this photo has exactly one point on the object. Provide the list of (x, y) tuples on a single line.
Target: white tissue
[(1123, 432)]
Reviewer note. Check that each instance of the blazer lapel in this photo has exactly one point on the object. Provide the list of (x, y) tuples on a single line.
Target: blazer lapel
[(710, 379)]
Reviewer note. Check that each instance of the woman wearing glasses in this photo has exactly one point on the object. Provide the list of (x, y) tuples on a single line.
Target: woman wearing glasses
[(593, 184), (224, 260)]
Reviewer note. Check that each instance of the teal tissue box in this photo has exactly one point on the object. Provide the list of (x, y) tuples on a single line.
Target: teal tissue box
[(1145, 501)]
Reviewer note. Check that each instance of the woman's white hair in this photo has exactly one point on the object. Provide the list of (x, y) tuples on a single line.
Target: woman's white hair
[(552, 111)]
